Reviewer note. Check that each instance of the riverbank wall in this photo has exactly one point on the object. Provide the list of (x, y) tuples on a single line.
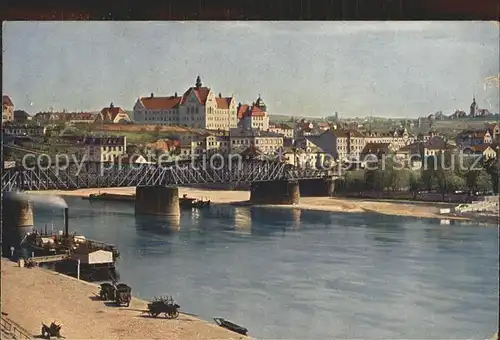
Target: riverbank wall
[(75, 304)]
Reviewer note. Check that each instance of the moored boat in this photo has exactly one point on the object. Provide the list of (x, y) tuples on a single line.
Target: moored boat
[(231, 326), (61, 242), (189, 203), (110, 197)]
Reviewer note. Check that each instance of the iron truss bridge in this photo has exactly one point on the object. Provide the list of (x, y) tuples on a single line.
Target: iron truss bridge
[(102, 175)]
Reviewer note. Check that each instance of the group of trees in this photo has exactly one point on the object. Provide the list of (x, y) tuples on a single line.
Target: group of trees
[(445, 174)]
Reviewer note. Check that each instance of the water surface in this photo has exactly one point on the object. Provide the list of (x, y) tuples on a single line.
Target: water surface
[(305, 275)]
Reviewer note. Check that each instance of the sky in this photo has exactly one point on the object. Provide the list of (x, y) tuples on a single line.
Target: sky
[(390, 69)]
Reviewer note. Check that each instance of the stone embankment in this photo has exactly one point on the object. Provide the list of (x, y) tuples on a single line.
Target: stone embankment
[(31, 296)]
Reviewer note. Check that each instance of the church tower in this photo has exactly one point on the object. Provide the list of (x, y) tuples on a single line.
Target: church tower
[(260, 104), (473, 107)]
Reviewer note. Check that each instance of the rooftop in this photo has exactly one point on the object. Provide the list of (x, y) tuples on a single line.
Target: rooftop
[(437, 143), (374, 148), (6, 100), (253, 132), (110, 112), (160, 103), (325, 141)]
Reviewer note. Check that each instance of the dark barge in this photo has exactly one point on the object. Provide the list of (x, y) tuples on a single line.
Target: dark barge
[(184, 201), (110, 197)]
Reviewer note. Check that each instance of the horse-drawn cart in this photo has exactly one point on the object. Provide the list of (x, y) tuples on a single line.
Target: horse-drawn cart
[(120, 293), (164, 305), (107, 292), (123, 294)]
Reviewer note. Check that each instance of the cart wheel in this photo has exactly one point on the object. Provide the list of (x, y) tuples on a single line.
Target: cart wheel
[(128, 304), (172, 315), (155, 314)]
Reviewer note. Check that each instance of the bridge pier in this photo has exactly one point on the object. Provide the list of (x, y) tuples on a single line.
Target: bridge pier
[(17, 217), (157, 200), (319, 187), (275, 192)]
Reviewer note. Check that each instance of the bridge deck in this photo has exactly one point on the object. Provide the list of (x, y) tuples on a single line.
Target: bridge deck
[(196, 171)]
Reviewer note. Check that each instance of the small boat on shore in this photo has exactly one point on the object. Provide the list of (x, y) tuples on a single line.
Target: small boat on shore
[(110, 197), (231, 326)]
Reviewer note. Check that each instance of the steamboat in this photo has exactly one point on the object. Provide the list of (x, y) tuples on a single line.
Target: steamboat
[(44, 243)]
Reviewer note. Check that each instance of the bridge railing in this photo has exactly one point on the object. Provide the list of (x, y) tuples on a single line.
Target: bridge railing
[(95, 175), (14, 330)]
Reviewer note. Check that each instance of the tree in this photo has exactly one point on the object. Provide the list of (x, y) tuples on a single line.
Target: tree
[(462, 165), (428, 173), (445, 171), (370, 180), (382, 179), (415, 183), (484, 182), (492, 167), (354, 181), (471, 179), (399, 179), (454, 182)]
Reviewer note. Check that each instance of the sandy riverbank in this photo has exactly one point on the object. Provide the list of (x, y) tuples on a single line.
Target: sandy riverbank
[(332, 204), (32, 296)]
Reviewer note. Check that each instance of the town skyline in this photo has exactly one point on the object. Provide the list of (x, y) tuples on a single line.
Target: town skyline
[(251, 58)]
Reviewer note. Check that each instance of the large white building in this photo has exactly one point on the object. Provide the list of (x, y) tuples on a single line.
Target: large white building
[(198, 107)]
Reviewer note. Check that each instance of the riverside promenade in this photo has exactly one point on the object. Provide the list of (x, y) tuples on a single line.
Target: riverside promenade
[(31, 296)]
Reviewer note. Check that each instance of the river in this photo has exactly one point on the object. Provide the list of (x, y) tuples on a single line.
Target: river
[(290, 274)]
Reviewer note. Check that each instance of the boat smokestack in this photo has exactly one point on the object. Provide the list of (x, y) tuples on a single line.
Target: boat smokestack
[(66, 222)]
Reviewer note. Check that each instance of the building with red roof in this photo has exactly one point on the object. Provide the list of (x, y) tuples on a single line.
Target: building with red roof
[(113, 114), (198, 107), (254, 116)]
